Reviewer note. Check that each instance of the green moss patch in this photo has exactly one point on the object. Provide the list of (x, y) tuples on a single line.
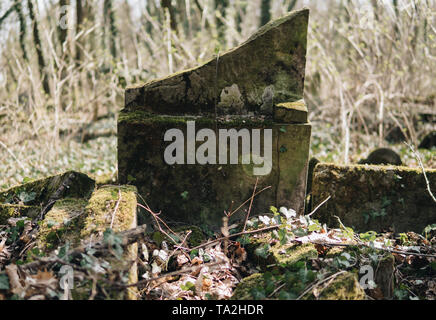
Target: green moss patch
[(375, 198), (13, 211)]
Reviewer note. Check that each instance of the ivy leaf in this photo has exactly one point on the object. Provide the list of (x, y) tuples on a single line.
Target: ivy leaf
[(273, 210), (188, 286), (26, 197), (4, 282), (258, 293), (263, 251)]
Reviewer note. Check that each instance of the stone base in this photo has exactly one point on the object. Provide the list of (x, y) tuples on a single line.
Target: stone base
[(199, 194), (374, 197)]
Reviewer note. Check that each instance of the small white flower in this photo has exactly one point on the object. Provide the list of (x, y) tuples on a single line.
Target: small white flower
[(155, 269), (288, 213), (265, 220)]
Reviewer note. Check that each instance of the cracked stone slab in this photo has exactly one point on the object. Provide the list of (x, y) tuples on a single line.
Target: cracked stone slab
[(267, 69)]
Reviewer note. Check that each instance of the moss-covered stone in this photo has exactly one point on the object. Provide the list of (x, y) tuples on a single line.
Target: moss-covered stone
[(15, 210), (243, 290), (77, 220), (281, 256), (198, 194), (62, 223), (196, 236), (291, 253), (374, 197), (269, 67), (39, 191), (101, 209), (291, 112), (344, 287)]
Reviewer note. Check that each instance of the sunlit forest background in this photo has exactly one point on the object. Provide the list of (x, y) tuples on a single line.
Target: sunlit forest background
[(64, 65)]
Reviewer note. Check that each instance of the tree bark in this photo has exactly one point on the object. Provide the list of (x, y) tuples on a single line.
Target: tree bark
[(292, 5), (109, 21), (79, 22), (62, 32), (38, 47), (6, 14), (19, 10), (265, 11), (166, 4), (221, 6)]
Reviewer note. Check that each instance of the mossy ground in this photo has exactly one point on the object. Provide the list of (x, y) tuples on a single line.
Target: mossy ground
[(286, 272)]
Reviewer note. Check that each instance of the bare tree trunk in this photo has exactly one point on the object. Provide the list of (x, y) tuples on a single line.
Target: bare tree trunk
[(166, 4), (79, 22), (109, 21), (292, 5), (221, 6), (7, 13), (19, 10), (38, 47), (62, 32), (265, 12)]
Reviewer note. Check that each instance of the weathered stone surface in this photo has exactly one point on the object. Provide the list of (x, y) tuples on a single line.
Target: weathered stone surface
[(39, 191), (374, 197), (208, 190), (15, 210), (268, 69), (258, 85), (77, 220), (291, 112), (343, 287)]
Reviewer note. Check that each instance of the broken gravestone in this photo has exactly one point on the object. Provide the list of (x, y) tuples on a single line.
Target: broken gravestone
[(378, 198), (195, 142)]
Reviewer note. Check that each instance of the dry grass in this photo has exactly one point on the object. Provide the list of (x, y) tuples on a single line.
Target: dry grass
[(367, 70)]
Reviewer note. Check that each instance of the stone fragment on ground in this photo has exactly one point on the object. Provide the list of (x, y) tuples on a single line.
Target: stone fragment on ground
[(375, 198)]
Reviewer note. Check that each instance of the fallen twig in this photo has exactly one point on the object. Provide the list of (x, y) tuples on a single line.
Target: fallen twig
[(251, 204), (128, 237), (236, 235)]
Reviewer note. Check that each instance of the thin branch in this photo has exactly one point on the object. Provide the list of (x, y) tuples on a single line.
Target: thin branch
[(418, 157), (116, 208), (270, 228), (319, 206), (251, 204)]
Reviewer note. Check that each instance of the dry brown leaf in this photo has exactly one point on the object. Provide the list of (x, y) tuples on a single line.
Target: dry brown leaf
[(207, 283), (197, 261)]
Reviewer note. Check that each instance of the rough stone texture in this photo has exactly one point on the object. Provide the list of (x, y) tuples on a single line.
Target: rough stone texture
[(343, 287), (374, 197), (77, 220), (291, 112), (258, 85), (209, 189), (38, 192), (269, 68), (15, 210)]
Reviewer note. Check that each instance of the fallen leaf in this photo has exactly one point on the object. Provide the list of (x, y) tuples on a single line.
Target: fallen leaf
[(197, 261)]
